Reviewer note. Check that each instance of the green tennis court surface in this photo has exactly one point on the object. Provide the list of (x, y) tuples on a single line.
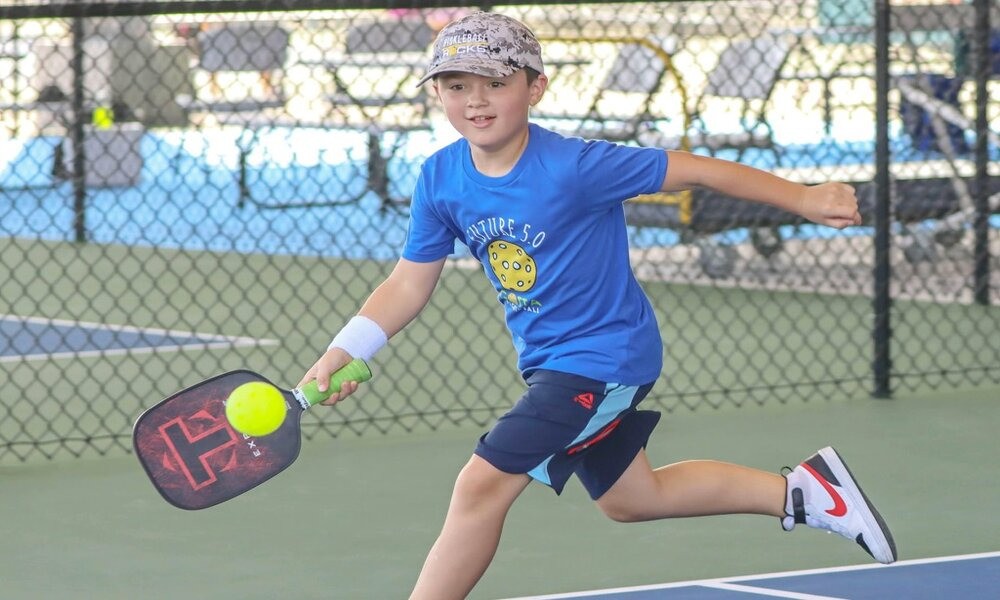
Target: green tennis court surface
[(353, 518)]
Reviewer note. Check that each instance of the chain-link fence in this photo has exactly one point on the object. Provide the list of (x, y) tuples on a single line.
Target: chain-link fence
[(183, 193)]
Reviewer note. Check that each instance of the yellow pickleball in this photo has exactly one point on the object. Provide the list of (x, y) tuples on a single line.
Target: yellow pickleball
[(103, 117), (256, 408)]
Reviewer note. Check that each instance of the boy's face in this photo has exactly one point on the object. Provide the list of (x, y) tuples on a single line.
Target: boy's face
[(490, 112)]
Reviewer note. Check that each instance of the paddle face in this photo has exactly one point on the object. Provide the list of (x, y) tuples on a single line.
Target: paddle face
[(195, 458)]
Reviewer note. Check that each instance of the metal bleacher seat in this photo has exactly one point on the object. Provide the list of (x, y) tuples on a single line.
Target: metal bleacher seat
[(375, 91), (241, 47), (622, 107), (743, 80), (387, 58)]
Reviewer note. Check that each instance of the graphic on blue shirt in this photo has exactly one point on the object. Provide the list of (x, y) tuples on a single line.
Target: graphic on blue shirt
[(516, 271), (552, 239), (513, 267)]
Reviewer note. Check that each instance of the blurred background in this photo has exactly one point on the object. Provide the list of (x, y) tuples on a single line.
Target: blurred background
[(185, 191)]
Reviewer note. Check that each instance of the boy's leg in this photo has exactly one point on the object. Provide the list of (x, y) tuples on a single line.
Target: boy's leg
[(821, 492), (542, 437), (692, 488), (468, 540)]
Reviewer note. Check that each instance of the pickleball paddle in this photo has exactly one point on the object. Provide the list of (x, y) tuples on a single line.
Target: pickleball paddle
[(196, 459)]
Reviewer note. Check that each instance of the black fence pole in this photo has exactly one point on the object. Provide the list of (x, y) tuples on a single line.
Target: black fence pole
[(981, 70), (77, 137), (882, 303)]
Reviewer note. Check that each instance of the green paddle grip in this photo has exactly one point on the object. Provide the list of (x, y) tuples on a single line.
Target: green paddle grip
[(356, 370)]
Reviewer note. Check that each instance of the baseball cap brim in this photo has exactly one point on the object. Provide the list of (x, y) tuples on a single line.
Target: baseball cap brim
[(474, 65)]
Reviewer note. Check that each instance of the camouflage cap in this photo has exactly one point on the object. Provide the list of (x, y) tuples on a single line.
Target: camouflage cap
[(485, 43)]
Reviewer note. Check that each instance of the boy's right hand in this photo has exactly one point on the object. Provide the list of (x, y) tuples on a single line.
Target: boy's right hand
[(332, 359)]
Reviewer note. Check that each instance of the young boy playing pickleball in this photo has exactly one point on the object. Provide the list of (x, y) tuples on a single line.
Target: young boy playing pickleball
[(543, 213)]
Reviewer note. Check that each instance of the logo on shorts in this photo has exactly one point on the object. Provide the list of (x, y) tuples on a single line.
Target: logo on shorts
[(585, 400)]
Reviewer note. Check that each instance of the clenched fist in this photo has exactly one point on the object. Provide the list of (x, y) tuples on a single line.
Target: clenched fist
[(832, 204)]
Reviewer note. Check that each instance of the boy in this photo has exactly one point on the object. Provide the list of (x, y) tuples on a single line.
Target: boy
[(544, 215)]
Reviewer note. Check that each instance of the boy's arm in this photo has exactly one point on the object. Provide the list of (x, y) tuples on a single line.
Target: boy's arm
[(391, 306), (832, 204), (403, 294)]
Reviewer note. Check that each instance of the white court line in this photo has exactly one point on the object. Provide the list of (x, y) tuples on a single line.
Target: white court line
[(759, 591), (209, 341), (730, 580)]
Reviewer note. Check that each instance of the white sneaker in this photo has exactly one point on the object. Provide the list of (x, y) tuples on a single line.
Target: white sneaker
[(822, 493)]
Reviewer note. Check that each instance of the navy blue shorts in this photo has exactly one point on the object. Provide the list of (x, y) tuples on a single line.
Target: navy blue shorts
[(567, 424)]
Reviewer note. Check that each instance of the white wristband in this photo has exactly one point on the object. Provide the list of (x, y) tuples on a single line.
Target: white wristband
[(361, 338)]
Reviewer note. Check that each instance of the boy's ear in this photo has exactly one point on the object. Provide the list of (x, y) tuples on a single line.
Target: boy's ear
[(537, 89)]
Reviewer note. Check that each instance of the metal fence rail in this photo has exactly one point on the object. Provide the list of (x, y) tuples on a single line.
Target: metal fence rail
[(187, 188)]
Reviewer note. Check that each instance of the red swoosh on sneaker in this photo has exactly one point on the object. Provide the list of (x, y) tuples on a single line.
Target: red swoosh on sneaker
[(839, 506)]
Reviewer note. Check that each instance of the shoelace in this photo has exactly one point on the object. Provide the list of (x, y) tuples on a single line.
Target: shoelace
[(834, 526)]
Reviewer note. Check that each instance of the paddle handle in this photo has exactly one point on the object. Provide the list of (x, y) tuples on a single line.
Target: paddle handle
[(356, 370)]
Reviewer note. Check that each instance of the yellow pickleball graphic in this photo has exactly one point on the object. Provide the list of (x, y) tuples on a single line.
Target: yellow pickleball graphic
[(512, 265)]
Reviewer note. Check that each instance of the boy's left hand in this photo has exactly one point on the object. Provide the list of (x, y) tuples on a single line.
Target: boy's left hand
[(832, 204)]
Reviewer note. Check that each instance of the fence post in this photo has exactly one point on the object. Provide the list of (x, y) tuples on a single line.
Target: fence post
[(981, 71), (77, 137), (882, 302)]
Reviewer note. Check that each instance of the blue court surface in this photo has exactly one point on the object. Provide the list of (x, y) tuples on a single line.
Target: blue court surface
[(967, 577), (295, 182), (31, 338)]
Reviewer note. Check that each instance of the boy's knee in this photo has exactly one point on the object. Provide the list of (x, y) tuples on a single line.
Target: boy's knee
[(474, 480), (620, 510), (481, 484)]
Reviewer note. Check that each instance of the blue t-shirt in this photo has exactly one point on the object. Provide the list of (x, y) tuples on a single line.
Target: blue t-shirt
[(551, 237)]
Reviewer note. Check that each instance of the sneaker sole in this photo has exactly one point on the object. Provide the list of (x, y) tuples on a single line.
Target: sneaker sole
[(883, 544)]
